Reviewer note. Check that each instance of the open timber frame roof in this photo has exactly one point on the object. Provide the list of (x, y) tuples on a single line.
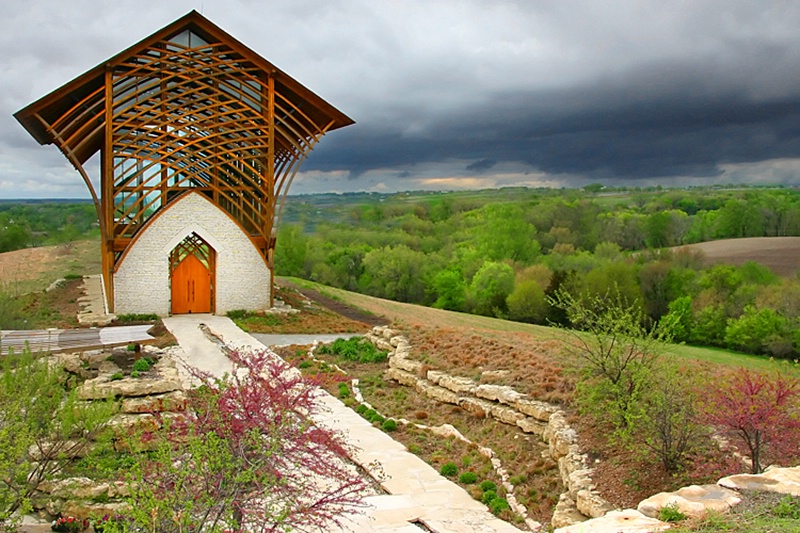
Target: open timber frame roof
[(187, 109), (57, 103)]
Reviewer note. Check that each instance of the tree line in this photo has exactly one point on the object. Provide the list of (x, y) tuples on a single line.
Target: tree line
[(507, 254), (28, 224)]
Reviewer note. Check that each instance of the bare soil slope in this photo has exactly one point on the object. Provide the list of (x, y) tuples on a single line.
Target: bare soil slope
[(781, 254)]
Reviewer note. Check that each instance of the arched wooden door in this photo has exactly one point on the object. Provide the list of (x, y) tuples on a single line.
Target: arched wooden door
[(192, 276)]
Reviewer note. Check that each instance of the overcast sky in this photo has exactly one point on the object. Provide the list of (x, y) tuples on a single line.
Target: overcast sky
[(466, 93)]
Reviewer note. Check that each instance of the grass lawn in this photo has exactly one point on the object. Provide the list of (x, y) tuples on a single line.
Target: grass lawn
[(501, 329)]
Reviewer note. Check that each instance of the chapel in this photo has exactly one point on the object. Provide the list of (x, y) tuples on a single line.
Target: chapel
[(199, 138)]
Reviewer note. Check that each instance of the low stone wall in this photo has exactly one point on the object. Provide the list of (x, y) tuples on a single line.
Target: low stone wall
[(158, 391), (580, 501)]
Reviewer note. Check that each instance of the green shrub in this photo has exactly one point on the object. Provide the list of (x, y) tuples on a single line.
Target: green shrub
[(449, 469), (73, 276), (377, 419), (488, 497), (142, 365), (517, 480), (361, 409), (468, 478), (116, 376), (135, 373), (498, 505), (369, 413), (137, 317), (354, 349), (488, 485), (304, 364), (789, 507), (237, 314), (670, 513), (389, 425)]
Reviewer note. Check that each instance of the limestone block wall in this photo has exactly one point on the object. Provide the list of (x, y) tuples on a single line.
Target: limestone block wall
[(142, 283), (581, 499)]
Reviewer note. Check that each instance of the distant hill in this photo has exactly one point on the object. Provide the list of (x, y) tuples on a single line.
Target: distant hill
[(781, 254)]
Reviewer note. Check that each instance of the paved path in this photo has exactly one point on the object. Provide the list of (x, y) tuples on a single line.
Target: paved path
[(415, 491)]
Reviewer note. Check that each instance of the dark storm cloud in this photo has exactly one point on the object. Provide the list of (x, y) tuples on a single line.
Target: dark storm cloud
[(654, 121), (450, 91)]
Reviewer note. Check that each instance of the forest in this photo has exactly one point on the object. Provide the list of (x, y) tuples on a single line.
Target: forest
[(24, 224), (509, 252)]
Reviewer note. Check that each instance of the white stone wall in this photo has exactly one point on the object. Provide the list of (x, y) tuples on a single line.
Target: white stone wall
[(142, 284)]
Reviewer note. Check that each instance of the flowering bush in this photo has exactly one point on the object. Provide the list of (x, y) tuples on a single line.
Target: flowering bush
[(248, 456), (69, 524)]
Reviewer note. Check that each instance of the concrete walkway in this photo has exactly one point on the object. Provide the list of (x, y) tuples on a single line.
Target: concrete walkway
[(418, 499)]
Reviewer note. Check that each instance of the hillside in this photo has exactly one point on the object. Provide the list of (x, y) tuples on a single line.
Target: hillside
[(780, 254)]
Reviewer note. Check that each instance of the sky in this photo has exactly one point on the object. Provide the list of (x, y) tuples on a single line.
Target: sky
[(464, 94)]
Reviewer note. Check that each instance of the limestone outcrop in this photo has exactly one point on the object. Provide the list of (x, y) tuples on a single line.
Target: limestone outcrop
[(693, 501), (627, 521), (507, 405), (781, 480)]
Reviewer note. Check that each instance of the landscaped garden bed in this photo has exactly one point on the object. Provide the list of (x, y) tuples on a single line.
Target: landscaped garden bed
[(534, 478)]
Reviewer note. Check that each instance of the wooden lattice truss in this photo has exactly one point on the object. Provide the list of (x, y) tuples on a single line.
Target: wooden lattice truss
[(188, 108)]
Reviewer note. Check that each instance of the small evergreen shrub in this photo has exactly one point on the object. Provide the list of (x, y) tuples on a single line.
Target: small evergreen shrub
[(389, 425), (488, 496), (468, 478), (304, 364), (498, 505), (116, 376), (488, 485), (449, 469), (361, 409)]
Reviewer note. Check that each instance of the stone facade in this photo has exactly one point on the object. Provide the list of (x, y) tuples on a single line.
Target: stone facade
[(142, 281)]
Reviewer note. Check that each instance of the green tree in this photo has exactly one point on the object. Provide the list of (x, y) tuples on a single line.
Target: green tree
[(709, 325), (527, 302), (450, 290), (669, 423), (395, 272), (613, 351), (490, 288), (290, 251), (504, 234), (760, 331)]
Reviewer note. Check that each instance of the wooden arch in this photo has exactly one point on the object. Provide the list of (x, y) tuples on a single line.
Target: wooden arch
[(189, 107)]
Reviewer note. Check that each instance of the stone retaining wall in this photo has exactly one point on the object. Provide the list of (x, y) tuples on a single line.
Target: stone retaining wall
[(580, 501), (158, 391)]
